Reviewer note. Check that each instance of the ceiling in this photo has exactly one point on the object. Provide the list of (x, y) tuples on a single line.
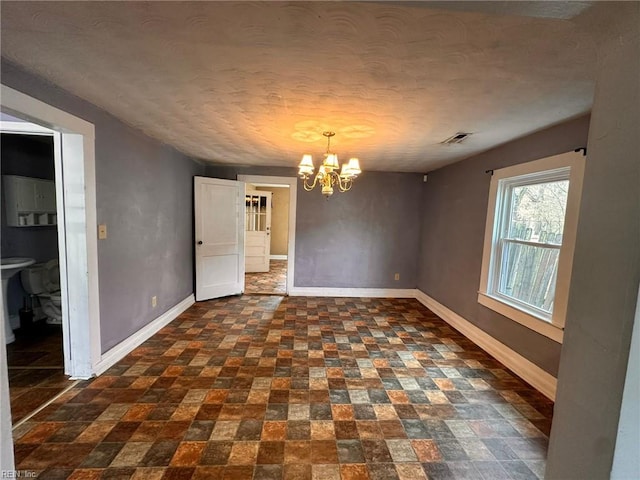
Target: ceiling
[(257, 83)]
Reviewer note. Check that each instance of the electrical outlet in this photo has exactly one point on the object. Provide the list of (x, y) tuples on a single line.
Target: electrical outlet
[(396, 276), (154, 301), (102, 231)]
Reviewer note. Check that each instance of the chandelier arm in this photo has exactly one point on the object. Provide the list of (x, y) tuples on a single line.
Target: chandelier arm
[(344, 185), (308, 187)]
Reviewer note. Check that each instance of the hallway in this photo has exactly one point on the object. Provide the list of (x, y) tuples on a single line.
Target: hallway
[(268, 387)]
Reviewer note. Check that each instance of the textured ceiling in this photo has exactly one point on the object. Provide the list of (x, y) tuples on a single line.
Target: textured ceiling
[(258, 83)]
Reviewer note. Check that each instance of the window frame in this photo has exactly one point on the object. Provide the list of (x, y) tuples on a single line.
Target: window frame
[(559, 167)]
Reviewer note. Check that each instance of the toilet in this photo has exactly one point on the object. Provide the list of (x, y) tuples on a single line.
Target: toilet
[(43, 281)]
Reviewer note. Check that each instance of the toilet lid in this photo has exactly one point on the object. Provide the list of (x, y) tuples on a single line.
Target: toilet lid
[(51, 277)]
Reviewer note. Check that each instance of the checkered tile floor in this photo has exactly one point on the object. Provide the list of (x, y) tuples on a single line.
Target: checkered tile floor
[(266, 387), (272, 282)]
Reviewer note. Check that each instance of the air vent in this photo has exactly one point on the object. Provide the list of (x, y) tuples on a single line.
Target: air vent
[(457, 138)]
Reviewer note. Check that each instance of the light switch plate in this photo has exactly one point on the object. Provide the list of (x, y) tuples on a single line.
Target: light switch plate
[(102, 232)]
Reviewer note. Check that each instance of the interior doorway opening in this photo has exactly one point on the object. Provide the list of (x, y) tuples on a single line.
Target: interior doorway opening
[(270, 206), (31, 283), (75, 215)]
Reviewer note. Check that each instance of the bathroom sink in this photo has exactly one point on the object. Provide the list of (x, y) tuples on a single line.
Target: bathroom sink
[(12, 265)]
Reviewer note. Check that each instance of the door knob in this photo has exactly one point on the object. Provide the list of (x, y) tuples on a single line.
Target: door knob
[(199, 242)]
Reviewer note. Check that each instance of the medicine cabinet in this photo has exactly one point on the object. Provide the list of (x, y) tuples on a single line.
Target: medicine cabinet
[(30, 202)]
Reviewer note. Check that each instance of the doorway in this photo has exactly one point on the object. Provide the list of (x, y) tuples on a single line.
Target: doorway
[(74, 154), (270, 208), (33, 328)]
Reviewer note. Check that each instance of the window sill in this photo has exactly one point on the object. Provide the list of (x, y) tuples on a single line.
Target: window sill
[(534, 323)]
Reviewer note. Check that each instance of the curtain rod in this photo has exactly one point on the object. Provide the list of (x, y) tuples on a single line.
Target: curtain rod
[(577, 150)]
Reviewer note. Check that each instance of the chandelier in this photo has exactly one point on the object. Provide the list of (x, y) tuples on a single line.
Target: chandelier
[(328, 176)]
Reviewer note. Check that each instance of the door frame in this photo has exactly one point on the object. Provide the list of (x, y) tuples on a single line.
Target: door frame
[(74, 154), (292, 183)]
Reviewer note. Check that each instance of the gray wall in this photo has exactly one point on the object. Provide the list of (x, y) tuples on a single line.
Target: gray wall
[(28, 156), (606, 268), (363, 237), (356, 239), (145, 196), (453, 222)]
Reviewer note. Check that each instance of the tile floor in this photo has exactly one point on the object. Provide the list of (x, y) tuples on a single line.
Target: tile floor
[(267, 387), (36, 371), (272, 282)]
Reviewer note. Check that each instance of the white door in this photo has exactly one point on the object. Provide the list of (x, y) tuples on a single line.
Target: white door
[(258, 235), (219, 226)]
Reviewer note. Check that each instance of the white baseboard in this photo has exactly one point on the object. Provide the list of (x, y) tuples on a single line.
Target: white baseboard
[(353, 292), (528, 371), (117, 353), (277, 257)]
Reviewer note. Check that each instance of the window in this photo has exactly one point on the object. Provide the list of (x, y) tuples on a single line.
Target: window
[(529, 241)]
